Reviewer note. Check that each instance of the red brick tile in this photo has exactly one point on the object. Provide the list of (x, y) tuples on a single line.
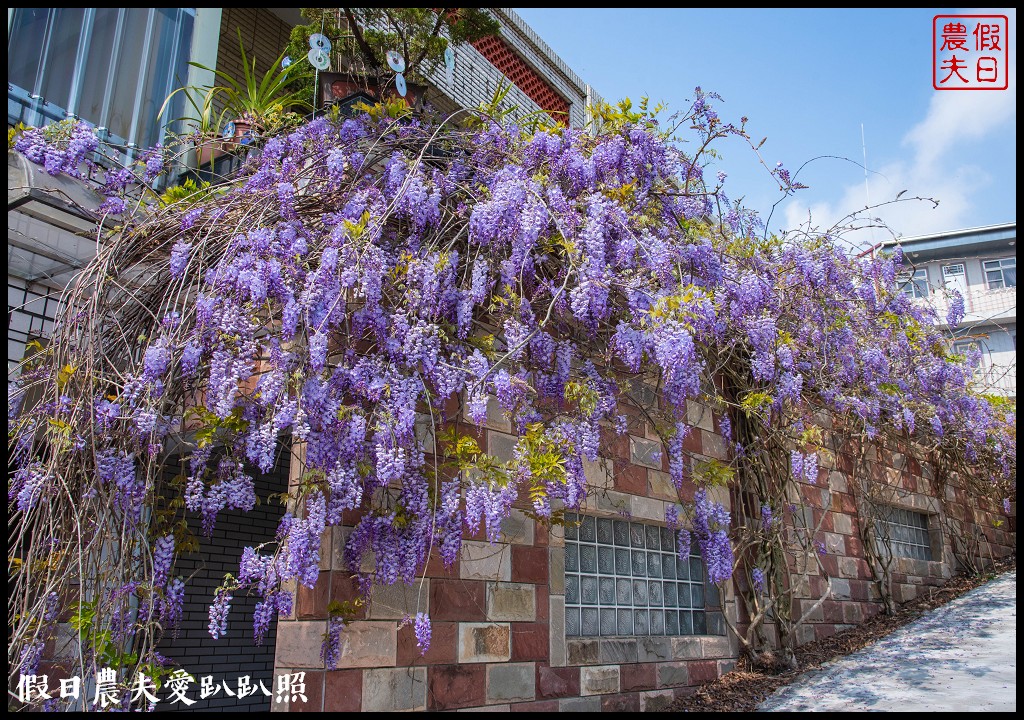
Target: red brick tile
[(522, 502), (831, 564), (452, 406), (436, 567), (542, 603), (914, 465), (444, 640), (311, 603), (529, 564), (637, 676), (344, 588), (624, 702), (344, 691), (453, 599), (849, 505), (832, 611), (844, 463), (692, 442), (702, 671), (557, 682), (54, 671), (456, 686), (314, 694), (351, 518), (530, 641), (544, 706), (824, 630), (541, 535), (688, 490), (614, 446), (827, 524), (630, 478), (811, 495)]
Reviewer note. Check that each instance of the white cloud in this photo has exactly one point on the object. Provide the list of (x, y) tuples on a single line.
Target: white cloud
[(935, 166)]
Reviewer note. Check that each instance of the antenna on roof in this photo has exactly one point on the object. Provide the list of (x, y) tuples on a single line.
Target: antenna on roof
[(867, 192)]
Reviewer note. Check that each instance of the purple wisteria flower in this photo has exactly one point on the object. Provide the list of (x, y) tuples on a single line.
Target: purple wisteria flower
[(422, 631), (179, 258), (219, 613), (956, 312), (757, 575), (711, 526), (174, 603), (366, 287), (163, 557), (330, 649)]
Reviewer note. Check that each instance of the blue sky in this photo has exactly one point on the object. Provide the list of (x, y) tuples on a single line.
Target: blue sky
[(808, 80)]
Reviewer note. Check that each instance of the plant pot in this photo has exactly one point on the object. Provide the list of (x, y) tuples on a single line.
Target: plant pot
[(213, 148), (237, 140), (207, 151)]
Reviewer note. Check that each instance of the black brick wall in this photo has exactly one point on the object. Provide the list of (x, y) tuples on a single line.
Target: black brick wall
[(236, 654)]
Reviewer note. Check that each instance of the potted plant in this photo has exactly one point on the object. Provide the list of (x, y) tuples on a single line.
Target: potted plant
[(260, 104), (203, 123), (237, 109)]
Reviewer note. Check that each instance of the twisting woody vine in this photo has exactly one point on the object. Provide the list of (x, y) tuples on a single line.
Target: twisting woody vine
[(362, 277)]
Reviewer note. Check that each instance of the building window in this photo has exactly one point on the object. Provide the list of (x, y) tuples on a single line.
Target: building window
[(626, 578), (917, 284), (112, 67), (30, 315), (964, 347), (907, 532), (1001, 273)]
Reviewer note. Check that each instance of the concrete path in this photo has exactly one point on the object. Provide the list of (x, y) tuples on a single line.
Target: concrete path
[(960, 657)]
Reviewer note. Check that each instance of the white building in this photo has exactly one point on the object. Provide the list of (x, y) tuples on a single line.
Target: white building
[(980, 263)]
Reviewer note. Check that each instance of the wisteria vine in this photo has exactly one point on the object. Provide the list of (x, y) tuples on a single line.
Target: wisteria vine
[(364, 279)]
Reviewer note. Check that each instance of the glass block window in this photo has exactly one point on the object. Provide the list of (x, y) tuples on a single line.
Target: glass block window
[(1001, 273), (907, 533), (626, 578)]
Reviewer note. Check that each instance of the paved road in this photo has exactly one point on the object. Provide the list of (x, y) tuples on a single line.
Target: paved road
[(960, 657)]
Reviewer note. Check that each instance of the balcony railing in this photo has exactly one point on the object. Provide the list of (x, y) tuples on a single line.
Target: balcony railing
[(998, 379), (985, 302), (980, 303)]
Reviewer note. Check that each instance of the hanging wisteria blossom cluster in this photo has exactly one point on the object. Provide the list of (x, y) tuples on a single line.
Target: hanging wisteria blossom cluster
[(365, 279)]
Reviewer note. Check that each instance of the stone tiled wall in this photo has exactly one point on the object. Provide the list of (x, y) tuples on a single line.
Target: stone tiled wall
[(894, 477), (498, 614)]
